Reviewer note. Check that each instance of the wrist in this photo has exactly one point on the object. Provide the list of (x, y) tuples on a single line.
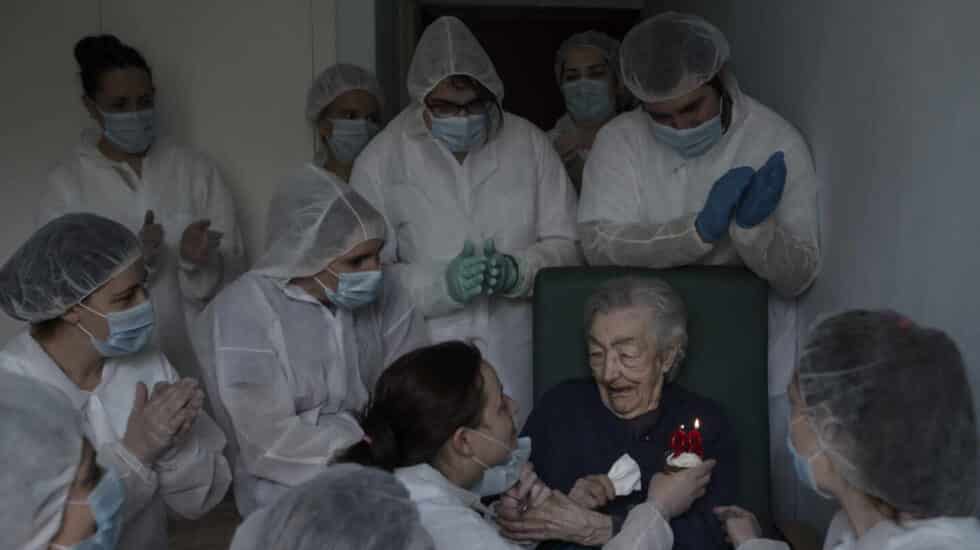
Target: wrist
[(598, 529)]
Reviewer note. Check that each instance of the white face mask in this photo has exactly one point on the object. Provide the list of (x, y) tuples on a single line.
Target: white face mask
[(499, 478), (349, 137)]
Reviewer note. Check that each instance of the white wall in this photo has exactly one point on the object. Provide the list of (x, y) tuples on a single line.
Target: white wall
[(886, 93), (231, 76), (356, 36)]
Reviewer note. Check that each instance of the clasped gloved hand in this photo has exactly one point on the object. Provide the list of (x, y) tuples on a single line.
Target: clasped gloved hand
[(466, 274), (502, 270), (762, 197), (713, 220)]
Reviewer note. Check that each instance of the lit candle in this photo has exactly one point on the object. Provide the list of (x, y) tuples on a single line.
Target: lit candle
[(694, 442), (678, 442)]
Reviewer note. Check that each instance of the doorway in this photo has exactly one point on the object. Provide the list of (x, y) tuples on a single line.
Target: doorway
[(521, 41)]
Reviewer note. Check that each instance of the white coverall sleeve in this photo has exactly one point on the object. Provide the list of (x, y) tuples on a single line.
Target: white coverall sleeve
[(557, 206), (644, 529), (425, 282), (611, 224), (404, 328), (276, 443), (785, 248), (199, 284), (195, 475), (141, 482)]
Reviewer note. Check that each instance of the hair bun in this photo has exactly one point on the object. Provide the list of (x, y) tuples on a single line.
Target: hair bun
[(95, 47)]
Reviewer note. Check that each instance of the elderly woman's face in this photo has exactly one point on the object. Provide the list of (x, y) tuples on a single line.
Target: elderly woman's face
[(625, 361)]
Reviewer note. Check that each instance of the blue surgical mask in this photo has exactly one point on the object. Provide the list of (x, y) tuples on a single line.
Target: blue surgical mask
[(588, 100), (497, 479), (105, 502), (461, 134), (355, 289), (804, 465), (132, 132), (129, 330), (349, 137), (690, 142)]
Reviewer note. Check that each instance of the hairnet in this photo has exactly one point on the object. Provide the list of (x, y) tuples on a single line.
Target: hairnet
[(312, 222), (347, 507), (62, 263), (891, 406), (39, 457), (335, 81), (447, 47), (606, 44), (670, 55)]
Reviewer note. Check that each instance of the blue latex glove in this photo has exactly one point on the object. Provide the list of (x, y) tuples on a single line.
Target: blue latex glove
[(465, 274), (713, 221), (501, 268), (762, 196)]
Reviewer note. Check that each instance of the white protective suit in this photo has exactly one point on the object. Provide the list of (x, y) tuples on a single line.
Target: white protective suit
[(181, 186), (943, 533), (188, 480), (41, 454), (513, 189), (287, 374)]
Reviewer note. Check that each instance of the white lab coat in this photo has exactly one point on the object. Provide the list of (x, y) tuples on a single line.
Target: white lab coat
[(513, 190), (943, 533), (453, 516), (188, 480), (181, 186), (575, 165), (287, 375), (456, 519)]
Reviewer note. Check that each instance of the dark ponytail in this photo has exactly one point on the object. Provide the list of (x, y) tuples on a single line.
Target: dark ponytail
[(97, 55), (418, 404)]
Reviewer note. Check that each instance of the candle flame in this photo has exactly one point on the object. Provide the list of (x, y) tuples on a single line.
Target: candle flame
[(697, 423), (682, 427)]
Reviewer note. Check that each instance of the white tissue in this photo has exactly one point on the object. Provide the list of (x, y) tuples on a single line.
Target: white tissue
[(625, 475)]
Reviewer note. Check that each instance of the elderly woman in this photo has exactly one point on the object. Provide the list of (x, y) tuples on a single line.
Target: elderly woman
[(52, 493), (346, 507), (883, 422), (79, 282), (291, 349), (587, 69), (636, 339)]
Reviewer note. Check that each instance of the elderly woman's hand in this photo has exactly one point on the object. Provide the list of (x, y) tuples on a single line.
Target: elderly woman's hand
[(593, 491), (559, 518), (526, 494)]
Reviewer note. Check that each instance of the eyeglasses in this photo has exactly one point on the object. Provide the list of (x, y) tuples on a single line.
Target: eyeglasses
[(443, 109)]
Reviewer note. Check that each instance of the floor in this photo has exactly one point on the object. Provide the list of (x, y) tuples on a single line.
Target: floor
[(212, 532)]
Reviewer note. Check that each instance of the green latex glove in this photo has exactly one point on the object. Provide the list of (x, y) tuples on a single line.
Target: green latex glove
[(502, 270), (466, 274)]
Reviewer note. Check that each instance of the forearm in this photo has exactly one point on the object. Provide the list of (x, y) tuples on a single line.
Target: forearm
[(672, 244), (774, 253)]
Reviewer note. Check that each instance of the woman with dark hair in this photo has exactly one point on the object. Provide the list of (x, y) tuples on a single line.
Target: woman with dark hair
[(171, 196), (439, 419)]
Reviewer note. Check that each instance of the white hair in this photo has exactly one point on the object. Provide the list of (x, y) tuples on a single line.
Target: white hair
[(668, 314)]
